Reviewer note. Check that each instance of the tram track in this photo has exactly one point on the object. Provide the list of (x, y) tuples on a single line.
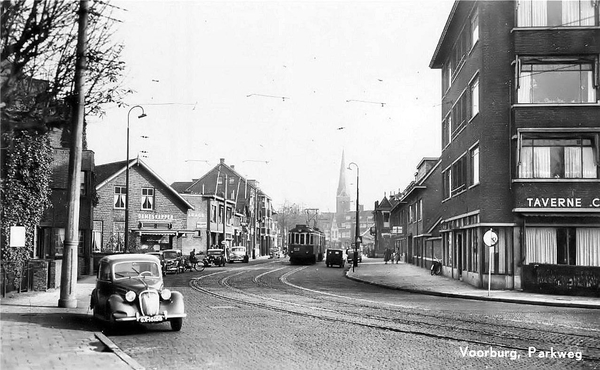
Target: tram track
[(430, 324)]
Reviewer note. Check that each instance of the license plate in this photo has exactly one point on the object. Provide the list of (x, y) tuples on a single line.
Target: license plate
[(151, 319), (296, 249)]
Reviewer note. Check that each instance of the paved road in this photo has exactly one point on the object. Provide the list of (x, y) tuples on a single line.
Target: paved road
[(270, 315)]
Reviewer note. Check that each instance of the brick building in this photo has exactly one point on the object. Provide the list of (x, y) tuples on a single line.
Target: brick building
[(415, 216), (50, 236), (158, 215), (520, 143), (234, 211)]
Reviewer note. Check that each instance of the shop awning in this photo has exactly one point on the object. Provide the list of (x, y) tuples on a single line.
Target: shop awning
[(156, 232)]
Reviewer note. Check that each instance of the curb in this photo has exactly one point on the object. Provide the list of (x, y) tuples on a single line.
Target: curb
[(478, 298), (118, 351)]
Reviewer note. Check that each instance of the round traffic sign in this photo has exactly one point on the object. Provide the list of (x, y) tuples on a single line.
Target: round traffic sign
[(490, 238)]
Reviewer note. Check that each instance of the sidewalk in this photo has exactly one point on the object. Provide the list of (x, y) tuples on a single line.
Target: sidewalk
[(407, 277), (37, 334)]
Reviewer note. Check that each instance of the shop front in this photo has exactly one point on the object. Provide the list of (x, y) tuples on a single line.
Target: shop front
[(561, 237)]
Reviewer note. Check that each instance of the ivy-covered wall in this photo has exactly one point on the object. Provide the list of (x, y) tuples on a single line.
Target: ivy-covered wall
[(24, 191)]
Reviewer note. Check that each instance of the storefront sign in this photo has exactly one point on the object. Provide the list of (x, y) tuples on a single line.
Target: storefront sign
[(155, 217), (544, 202)]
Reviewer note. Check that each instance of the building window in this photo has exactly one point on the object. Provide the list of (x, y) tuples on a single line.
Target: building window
[(459, 114), (446, 131), (97, 236), (556, 13), (474, 29), (83, 184), (556, 81), (117, 240), (546, 156), (459, 175), (474, 167), (446, 77), (120, 197), (411, 214), (447, 178), (562, 245), (420, 210), (474, 96), (213, 213), (147, 199)]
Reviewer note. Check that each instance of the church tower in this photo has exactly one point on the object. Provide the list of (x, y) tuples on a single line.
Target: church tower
[(342, 204)]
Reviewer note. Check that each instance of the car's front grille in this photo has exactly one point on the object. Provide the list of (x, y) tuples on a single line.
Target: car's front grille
[(149, 302)]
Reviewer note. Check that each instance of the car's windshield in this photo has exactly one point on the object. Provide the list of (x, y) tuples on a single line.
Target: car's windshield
[(214, 253), (170, 254), (128, 269)]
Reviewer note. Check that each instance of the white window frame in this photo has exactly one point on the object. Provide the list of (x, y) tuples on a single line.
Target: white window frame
[(145, 197), (120, 197)]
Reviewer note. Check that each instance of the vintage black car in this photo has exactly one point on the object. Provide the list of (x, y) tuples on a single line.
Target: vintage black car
[(334, 257), (214, 257), (129, 288), (173, 261)]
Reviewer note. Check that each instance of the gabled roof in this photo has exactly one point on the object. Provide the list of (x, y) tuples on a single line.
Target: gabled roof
[(181, 186), (105, 173), (384, 204)]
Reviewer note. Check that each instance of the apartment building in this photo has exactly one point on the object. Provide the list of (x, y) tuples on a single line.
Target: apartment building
[(520, 144)]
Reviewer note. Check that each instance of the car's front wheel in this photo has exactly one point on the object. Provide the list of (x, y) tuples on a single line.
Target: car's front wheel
[(176, 324)]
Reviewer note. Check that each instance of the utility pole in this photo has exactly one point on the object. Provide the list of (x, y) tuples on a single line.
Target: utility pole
[(225, 216), (68, 280)]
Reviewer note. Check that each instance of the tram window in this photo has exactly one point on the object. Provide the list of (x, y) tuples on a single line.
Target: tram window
[(301, 238), (311, 239)]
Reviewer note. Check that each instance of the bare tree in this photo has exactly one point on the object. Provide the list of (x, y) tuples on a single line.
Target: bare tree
[(38, 40)]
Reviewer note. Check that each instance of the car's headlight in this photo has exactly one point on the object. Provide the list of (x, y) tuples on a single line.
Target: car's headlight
[(130, 296), (165, 294)]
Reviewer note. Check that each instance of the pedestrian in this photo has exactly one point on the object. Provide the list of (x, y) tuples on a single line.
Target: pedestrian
[(397, 256), (387, 255)]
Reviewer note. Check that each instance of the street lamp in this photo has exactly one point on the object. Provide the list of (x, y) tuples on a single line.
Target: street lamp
[(127, 178), (357, 232)]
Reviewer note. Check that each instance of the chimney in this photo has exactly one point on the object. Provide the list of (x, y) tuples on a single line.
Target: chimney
[(232, 167), (222, 160)]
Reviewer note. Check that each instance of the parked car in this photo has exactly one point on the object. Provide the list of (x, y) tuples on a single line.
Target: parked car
[(350, 255), (173, 261), (334, 257), (214, 257), (275, 253), (238, 254), (161, 257), (129, 288)]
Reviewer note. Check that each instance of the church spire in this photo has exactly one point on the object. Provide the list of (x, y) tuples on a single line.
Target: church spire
[(342, 204), (341, 191)]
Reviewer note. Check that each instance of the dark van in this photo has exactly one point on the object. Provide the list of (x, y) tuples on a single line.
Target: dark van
[(334, 257)]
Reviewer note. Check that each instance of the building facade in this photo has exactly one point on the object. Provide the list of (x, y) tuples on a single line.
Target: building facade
[(520, 144), (415, 216), (50, 236), (234, 204), (158, 215)]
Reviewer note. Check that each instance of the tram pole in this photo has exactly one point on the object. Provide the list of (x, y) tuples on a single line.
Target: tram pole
[(357, 231)]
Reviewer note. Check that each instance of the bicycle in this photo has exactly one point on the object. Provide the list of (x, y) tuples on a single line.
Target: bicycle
[(195, 264), (436, 267)]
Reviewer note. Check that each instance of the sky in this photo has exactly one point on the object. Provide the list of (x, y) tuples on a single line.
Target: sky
[(280, 89)]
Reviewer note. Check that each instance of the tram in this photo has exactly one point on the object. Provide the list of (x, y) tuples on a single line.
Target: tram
[(305, 244)]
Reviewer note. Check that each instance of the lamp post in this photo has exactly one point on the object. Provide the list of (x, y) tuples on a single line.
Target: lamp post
[(357, 232), (127, 178)]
